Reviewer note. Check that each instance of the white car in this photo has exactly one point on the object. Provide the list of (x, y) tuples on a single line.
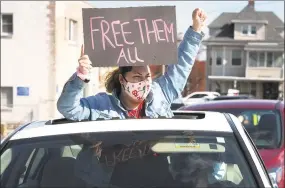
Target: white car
[(201, 94), (193, 149), (199, 97)]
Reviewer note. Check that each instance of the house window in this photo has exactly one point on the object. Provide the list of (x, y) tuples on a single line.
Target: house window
[(7, 97), (253, 89), (253, 30), (253, 59), (244, 30), (261, 62), (219, 57), (72, 30), (269, 59), (249, 30), (236, 57), (210, 61), (6, 24), (278, 59)]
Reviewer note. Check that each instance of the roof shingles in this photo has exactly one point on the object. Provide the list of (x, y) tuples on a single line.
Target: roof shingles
[(224, 23)]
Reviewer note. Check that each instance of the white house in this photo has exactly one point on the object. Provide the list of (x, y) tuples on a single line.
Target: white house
[(40, 46)]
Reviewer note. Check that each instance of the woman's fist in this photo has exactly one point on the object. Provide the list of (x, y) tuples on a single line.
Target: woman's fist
[(85, 65), (199, 16)]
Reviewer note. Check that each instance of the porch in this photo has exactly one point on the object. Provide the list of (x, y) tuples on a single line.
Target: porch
[(261, 88)]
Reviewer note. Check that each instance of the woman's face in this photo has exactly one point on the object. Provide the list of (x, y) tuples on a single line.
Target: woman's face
[(137, 83), (138, 74)]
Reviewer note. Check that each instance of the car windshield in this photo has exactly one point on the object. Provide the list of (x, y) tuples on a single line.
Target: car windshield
[(127, 159), (264, 126)]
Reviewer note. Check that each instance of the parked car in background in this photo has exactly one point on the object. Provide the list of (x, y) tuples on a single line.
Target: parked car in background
[(230, 97), (264, 121), (133, 153), (195, 97), (200, 94)]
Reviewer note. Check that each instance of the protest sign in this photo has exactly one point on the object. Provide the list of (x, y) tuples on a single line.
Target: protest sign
[(125, 153), (133, 36)]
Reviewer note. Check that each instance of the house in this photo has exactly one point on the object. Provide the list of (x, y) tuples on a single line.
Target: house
[(197, 78), (245, 51), (40, 47)]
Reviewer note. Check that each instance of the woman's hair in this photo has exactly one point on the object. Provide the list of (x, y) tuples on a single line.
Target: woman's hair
[(112, 79)]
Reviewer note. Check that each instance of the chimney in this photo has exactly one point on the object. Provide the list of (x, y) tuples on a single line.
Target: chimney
[(251, 3)]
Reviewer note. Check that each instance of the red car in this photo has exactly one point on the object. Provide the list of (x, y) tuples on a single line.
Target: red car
[(264, 121)]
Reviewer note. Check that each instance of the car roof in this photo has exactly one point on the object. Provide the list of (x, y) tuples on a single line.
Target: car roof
[(234, 103), (41, 129), (203, 92)]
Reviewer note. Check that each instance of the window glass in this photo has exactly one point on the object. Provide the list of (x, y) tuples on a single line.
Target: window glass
[(244, 30), (6, 24), (236, 57), (278, 59), (137, 159), (6, 159), (72, 30), (264, 126), (253, 59), (269, 59), (219, 58), (198, 96), (253, 30), (32, 163), (261, 59)]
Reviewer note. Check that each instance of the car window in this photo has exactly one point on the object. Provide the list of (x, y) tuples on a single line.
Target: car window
[(137, 159), (198, 96), (32, 164), (71, 151), (264, 126), (6, 159)]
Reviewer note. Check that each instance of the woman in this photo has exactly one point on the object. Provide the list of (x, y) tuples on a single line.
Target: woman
[(134, 94)]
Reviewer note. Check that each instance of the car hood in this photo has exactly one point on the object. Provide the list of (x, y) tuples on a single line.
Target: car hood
[(272, 157)]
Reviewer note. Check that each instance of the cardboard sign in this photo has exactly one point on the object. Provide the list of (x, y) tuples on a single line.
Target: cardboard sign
[(135, 36)]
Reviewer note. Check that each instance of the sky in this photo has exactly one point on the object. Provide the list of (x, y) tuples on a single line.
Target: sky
[(184, 9)]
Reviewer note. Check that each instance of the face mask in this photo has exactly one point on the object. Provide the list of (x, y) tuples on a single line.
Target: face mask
[(219, 172), (138, 91)]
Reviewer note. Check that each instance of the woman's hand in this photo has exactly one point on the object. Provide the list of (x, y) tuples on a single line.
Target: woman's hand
[(199, 16), (84, 67)]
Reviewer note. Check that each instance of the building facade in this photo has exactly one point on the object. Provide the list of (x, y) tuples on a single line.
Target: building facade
[(245, 51), (40, 46)]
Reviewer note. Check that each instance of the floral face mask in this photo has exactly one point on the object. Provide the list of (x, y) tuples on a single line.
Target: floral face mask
[(138, 91)]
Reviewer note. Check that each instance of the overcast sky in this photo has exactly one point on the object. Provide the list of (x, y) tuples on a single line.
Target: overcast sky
[(185, 8)]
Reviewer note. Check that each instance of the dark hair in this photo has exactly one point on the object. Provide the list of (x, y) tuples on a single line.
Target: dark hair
[(112, 79)]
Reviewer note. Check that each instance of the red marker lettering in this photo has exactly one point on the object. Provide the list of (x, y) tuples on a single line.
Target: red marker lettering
[(93, 30), (115, 33), (124, 33), (130, 58), (157, 30), (168, 30), (104, 36), (138, 59), (140, 28), (122, 55), (148, 32)]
